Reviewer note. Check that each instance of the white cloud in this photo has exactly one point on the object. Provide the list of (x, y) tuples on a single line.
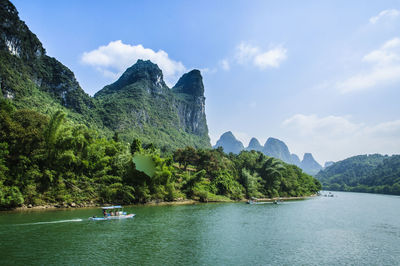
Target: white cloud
[(114, 58), (225, 64), (337, 137), (389, 13), (247, 53), (272, 58), (384, 69)]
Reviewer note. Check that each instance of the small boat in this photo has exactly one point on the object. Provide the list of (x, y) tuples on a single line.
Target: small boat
[(277, 201), (112, 213)]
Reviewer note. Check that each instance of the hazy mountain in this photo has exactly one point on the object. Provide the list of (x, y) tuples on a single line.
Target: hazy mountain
[(255, 145), (276, 148), (229, 143), (273, 147), (309, 165), (295, 159)]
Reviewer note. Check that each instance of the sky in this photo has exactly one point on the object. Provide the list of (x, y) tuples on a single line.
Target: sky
[(323, 76)]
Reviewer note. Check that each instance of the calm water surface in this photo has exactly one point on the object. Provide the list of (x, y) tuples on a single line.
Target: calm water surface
[(349, 229)]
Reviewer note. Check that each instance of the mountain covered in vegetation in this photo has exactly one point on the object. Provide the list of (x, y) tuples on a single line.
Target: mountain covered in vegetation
[(363, 173), (135, 141), (138, 105), (50, 160), (273, 147)]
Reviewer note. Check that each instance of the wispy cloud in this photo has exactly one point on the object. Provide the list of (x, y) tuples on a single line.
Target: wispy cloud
[(337, 137), (114, 58), (225, 64), (248, 54), (384, 69), (388, 13)]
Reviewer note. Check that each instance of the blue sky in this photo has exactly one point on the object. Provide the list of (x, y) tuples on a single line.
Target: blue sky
[(323, 76)]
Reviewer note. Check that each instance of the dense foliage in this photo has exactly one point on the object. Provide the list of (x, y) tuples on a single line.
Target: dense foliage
[(51, 160), (364, 173)]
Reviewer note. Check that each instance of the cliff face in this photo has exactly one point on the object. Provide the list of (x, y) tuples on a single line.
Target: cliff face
[(138, 105), (190, 102), (229, 143)]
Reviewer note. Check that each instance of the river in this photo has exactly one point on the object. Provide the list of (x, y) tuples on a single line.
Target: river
[(348, 229)]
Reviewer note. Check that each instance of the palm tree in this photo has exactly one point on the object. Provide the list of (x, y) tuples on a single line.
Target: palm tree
[(271, 173)]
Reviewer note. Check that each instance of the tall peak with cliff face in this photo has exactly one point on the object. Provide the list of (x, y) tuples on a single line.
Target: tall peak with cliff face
[(140, 101), (190, 83)]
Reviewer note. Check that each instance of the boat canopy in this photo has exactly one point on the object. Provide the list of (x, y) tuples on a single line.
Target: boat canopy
[(111, 207)]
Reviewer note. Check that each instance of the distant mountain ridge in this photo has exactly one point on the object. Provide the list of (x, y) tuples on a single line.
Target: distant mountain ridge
[(138, 105), (273, 147)]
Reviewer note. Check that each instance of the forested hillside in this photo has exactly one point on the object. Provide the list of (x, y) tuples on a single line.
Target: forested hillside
[(364, 173), (50, 160)]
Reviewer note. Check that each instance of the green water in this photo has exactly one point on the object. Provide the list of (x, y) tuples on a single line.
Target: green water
[(352, 229)]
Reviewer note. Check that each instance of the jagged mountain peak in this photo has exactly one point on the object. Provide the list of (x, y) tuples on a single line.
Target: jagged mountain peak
[(190, 83), (142, 70)]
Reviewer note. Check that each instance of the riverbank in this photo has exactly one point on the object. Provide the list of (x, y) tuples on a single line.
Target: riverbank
[(150, 203), (283, 198)]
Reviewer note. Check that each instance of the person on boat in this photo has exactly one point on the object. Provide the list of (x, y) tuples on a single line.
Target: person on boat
[(104, 213)]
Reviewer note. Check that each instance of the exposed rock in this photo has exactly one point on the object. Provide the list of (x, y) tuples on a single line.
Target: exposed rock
[(229, 143), (190, 83)]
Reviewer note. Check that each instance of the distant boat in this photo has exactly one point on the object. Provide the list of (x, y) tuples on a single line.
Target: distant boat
[(253, 200), (113, 213), (277, 201)]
